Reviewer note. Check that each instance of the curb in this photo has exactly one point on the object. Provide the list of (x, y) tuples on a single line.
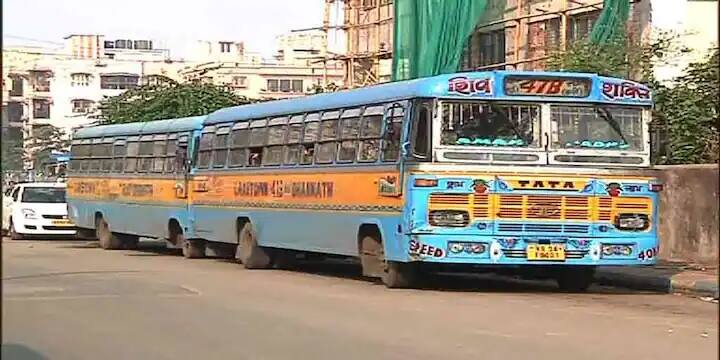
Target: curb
[(661, 283)]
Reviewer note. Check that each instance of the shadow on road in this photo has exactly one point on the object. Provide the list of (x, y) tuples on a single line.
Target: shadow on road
[(20, 352), (350, 270)]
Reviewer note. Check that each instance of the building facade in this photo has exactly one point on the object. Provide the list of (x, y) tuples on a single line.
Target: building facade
[(298, 67)]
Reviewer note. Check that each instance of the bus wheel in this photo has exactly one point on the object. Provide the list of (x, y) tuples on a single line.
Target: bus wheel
[(192, 249), (129, 242), (393, 274), (575, 278), (107, 239), (250, 254)]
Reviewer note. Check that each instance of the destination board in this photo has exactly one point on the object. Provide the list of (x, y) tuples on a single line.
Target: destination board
[(547, 86)]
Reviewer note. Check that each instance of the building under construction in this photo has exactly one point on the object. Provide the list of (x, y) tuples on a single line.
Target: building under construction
[(512, 34)]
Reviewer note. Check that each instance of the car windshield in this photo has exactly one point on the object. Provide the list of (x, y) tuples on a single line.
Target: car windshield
[(43, 195), (486, 124), (597, 127)]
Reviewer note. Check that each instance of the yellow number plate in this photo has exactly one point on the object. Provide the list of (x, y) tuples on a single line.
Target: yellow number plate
[(545, 252), (62, 223)]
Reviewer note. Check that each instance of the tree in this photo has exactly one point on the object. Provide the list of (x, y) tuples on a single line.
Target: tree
[(44, 140), (167, 99), (687, 113)]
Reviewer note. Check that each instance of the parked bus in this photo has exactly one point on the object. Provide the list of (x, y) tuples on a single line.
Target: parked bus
[(482, 170), (130, 180)]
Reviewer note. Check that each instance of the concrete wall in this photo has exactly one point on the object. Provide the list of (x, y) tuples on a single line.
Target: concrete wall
[(689, 213)]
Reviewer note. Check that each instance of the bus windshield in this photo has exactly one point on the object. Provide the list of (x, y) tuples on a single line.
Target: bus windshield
[(598, 127), (474, 124)]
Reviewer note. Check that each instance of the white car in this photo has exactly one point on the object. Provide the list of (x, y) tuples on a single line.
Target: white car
[(36, 209)]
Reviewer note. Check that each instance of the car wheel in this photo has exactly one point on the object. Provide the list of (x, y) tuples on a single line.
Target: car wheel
[(14, 234)]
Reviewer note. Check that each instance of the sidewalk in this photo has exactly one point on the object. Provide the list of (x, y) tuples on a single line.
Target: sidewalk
[(666, 277)]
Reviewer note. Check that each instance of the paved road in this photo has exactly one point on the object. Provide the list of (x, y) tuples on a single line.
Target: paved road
[(71, 300)]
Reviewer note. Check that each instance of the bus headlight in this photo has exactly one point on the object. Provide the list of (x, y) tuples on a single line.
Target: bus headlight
[(632, 222), (617, 249), (449, 218)]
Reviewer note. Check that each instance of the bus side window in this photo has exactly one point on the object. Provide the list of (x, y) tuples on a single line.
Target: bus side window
[(293, 149), (370, 130), (274, 151), (391, 139), (349, 132), (118, 156), (258, 138), (238, 143), (310, 136), (420, 131), (159, 146), (327, 146), (170, 154), (205, 150), (145, 153), (220, 148), (95, 155), (131, 158)]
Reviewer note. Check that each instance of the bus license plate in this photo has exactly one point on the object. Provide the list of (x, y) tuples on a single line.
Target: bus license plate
[(63, 222), (545, 252)]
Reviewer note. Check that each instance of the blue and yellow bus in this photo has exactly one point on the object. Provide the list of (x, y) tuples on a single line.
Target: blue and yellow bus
[(481, 170)]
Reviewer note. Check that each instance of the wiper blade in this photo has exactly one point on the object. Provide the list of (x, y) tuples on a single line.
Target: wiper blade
[(611, 121)]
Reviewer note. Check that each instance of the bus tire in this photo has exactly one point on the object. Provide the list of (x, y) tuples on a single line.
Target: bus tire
[(129, 242), (575, 278), (248, 252), (108, 240), (394, 275), (192, 249), (399, 275)]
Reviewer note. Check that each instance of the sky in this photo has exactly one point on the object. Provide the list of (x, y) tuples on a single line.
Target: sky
[(175, 24)]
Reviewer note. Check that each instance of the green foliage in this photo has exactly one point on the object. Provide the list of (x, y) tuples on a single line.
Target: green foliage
[(44, 140), (167, 99), (687, 113), (685, 117)]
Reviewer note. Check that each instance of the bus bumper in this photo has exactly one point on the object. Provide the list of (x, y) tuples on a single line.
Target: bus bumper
[(503, 250)]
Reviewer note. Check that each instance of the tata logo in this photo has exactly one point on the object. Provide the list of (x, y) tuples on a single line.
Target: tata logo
[(543, 211), (546, 184)]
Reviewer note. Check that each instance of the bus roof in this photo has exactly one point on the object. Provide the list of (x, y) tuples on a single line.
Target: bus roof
[(437, 86), (136, 128)]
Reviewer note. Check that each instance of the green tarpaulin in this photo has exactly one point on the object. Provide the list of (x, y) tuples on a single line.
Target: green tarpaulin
[(430, 35), (611, 23)]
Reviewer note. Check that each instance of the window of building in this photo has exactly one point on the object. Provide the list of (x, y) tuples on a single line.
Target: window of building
[(82, 106), (17, 85), (285, 85), (142, 44), (225, 46), (40, 80), (109, 44), (41, 109), (580, 25), (119, 82), (123, 44), (15, 111), (239, 81), (80, 79), (484, 49)]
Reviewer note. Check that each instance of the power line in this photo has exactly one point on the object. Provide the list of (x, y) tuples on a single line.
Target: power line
[(31, 39)]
